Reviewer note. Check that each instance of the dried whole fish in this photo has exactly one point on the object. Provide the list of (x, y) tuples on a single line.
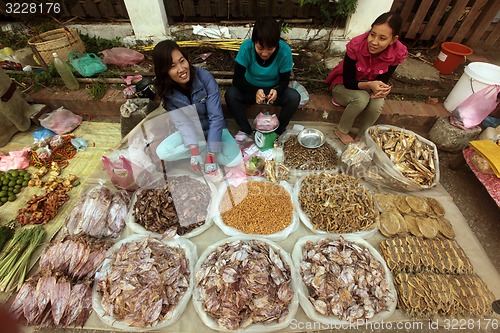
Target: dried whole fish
[(412, 157), (144, 283), (50, 300), (182, 206), (301, 158), (344, 280), (245, 282), (337, 203)]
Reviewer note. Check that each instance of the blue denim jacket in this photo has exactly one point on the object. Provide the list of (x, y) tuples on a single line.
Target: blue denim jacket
[(205, 96)]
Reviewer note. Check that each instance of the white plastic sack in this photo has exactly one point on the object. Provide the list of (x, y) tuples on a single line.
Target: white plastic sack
[(136, 228), (230, 231), (305, 303), (253, 328), (307, 222), (60, 121), (191, 255)]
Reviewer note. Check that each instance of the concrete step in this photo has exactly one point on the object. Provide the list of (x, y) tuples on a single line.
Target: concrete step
[(416, 116)]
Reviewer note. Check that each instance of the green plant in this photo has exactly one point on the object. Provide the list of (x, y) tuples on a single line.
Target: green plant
[(343, 8), (98, 44), (284, 27), (97, 90)]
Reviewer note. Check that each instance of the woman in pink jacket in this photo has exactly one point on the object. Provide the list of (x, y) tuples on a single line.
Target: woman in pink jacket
[(360, 81)]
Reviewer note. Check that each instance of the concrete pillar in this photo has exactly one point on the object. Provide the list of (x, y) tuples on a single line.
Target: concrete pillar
[(148, 18), (366, 12)]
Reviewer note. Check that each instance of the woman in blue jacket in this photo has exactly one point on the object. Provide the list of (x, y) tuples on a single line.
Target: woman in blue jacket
[(191, 97)]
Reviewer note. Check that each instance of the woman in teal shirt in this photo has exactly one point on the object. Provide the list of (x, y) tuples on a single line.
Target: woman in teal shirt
[(261, 75)]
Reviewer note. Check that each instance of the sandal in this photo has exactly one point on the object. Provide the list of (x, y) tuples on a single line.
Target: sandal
[(344, 138)]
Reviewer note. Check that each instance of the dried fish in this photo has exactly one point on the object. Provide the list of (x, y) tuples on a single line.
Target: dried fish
[(301, 158), (245, 282), (337, 203)]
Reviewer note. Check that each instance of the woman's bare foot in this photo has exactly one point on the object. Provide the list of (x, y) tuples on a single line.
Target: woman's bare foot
[(357, 138), (345, 138)]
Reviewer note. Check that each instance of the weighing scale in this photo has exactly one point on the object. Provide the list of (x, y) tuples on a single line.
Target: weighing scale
[(264, 140)]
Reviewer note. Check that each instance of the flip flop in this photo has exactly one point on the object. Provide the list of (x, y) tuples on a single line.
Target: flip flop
[(344, 138)]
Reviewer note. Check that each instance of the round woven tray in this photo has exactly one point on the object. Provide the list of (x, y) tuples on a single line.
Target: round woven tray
[(63, 41)]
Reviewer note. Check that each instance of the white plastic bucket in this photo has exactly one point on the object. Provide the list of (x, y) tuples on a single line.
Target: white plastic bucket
[(476, 76)]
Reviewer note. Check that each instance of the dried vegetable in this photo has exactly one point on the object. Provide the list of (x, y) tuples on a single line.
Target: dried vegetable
[(49, 300), (59, 153), (345, 280), (40, 209), (181, 206), (60, 294), (245, 282), (337, 203), (415, 254), (99, 213), (429, 294), (275, 171), (144, 282), (257, 207), (417, 215), (301, 158), (412, 157)]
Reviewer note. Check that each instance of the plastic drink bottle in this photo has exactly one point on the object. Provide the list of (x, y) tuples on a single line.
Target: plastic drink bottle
[(65, 72), (278, 154)]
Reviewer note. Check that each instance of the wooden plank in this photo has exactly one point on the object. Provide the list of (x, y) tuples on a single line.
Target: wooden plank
[(287, 10), (406, 11), (189, 8), (432, 25), (120, 9), (91, 9), (77, 10), (172, 8), (484, 21), (64, 10), (493, 37), (106, 8), (418, 18), (262, 8), (469, 20), (221, 8), (204, 8), (455, 14)]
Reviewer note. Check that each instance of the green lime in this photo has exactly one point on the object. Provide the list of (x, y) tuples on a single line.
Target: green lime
[(25, 183), (4, 199), (12, 183), (5, 181), (27, 176), (12, 198), (20, 181), (18, 186), (22, 172), (16, 190), (3, 194), (1, 203), (14, 173), (5, 188)]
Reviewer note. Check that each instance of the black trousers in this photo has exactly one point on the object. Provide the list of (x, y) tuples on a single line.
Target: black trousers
[(236, 99)]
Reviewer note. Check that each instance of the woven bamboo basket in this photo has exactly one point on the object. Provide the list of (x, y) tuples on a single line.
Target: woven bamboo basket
[(63, 41)]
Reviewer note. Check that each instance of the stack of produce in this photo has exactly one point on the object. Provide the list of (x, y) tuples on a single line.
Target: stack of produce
[(257, 207), (99, 213), (244, 282), (337, 203), (344, 280), (61, 293), (180, 207), (11, 183), (435, 277), (144, 282), (417, 215)]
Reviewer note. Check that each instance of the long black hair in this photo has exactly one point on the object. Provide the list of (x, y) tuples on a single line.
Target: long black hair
[(162, 61), (266, 31), (392, 19)]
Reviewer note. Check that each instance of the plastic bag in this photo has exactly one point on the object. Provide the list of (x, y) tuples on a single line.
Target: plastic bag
[(87, 64), (60, 121), (121, 56), (15, 160), (304, 95), (122, 173), (266, 122), (475, 108)]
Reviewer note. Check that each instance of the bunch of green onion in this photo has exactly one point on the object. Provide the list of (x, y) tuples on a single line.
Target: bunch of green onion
[(15, 256)]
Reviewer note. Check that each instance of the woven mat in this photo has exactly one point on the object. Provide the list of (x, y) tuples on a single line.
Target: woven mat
[(101, 139)]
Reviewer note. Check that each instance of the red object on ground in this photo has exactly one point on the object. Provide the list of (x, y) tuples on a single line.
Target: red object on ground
[(490, 181), (451, 55)]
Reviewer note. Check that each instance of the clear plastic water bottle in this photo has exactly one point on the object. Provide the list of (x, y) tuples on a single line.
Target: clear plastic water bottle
[(65, 72), (278, 155)]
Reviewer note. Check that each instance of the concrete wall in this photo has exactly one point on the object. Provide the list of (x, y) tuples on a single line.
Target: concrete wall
[(149, 24)]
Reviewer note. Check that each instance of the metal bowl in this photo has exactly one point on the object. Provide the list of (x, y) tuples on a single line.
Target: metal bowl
[(311, 138)]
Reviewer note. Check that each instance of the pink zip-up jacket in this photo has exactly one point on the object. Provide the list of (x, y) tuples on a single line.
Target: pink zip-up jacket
[(367, 66)]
